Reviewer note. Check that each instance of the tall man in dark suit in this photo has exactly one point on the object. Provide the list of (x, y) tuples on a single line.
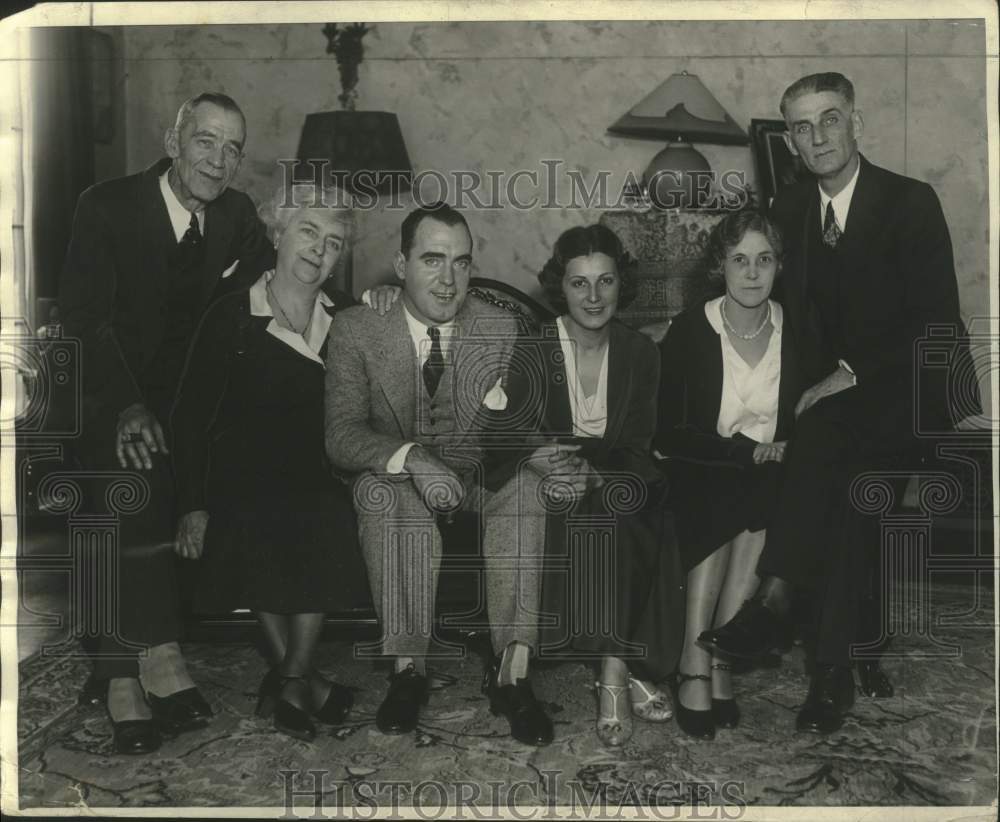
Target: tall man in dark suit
[(408, 395), (147, 253), (868, 269)]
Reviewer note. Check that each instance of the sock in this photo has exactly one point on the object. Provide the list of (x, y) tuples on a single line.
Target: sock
[(419, 665), (163, 671), (514, 663), (126, 700)]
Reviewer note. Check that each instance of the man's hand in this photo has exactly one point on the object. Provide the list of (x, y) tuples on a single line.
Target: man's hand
[(773, 451), (838, 381), (439, 487), (190, 540), (138, 436), (381, 298)]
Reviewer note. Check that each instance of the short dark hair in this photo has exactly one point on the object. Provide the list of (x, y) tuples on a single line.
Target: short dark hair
[(223, 101), (442, 212), (730, 232), (582, 241), (815, 83)]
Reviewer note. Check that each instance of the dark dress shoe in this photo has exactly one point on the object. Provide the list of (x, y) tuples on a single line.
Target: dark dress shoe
[(267, 693), (529, 724), (725, 713), (400, 710), (94, 691), (831, 695), (872, 680), (696, 724), (183, 711), (289, 718), (136, 736), (753, 632), (338, 702)]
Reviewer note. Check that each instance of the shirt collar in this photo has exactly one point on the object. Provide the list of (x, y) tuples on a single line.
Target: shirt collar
[(841, 202), (180, 217), (421, 339), (318, 330)]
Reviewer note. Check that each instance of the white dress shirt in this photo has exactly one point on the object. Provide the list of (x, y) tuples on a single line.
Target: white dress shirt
[(749, 395), (180, 217), (590, 414), (841, 202), (318, 328)]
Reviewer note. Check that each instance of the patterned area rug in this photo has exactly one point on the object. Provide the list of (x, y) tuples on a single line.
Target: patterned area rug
[(933, 743)]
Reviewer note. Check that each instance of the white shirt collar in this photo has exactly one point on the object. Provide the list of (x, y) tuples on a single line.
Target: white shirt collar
[(318, 329), (841, 202), (422, 340), (713, 313), (180, 217)]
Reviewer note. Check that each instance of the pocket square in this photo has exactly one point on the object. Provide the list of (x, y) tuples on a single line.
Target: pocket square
[(228, 272), (496, 398)]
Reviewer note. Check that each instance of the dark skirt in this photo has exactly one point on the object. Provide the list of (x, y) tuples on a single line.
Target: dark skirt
[(612, 586), (714, 503)]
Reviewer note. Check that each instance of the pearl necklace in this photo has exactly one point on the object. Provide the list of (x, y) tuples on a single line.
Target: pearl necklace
[(290, 324), (751, 336)]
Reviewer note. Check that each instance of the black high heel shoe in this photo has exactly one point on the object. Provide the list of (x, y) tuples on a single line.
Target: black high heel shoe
[(696, 724), (291, 719), (725, 712), (268, 693), (338, 702)]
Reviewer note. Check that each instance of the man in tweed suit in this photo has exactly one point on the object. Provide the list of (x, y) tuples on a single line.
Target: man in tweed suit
[(407, 396)]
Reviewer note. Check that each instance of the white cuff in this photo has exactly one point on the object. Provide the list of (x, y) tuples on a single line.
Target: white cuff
[(398, 460), (366, 298), (854, 377)]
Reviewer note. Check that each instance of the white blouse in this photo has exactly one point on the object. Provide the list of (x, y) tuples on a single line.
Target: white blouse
[(590, 414), (749, 395), (318, 329)]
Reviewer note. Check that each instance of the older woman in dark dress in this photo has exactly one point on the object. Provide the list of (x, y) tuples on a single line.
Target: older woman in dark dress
[(260, 508), (728, 389), (587, 389)]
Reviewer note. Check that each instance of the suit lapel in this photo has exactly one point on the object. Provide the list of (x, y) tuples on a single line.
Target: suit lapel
[(864, 214), (218, 236), (156, 235), (397, 373)]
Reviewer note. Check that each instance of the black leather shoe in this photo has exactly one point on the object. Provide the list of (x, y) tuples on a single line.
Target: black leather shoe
[(339, 701), (696, 724), (872, 680), (529, 724), (267, 693), (831, 695), (94, 691), (136, 736), (290, 719), (754, 631), (183, 711), (400, 710), (725, 713)]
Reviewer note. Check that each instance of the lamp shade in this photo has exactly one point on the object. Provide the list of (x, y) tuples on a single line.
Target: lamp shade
[(681, 108), (365, 148)]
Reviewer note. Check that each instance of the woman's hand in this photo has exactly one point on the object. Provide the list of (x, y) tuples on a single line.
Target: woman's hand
[(381, 298), (190, 540), (773, 451)]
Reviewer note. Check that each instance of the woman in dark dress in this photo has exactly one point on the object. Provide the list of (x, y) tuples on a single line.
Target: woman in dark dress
[(258, 503), (728, 389), (587, 390)]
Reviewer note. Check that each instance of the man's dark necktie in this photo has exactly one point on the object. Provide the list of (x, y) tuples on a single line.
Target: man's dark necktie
[(831, 231), (190, 249), (434, 366)]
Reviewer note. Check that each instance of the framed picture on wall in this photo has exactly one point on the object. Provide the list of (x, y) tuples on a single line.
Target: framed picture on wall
[(776, 165)]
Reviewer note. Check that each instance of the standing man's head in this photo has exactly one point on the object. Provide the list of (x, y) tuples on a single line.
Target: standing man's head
[(434, 262), (823, 127), (206, 145)]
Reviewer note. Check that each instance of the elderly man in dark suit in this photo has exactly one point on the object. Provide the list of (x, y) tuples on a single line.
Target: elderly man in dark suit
[(147, 253), (868, 271), (408, 396)]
